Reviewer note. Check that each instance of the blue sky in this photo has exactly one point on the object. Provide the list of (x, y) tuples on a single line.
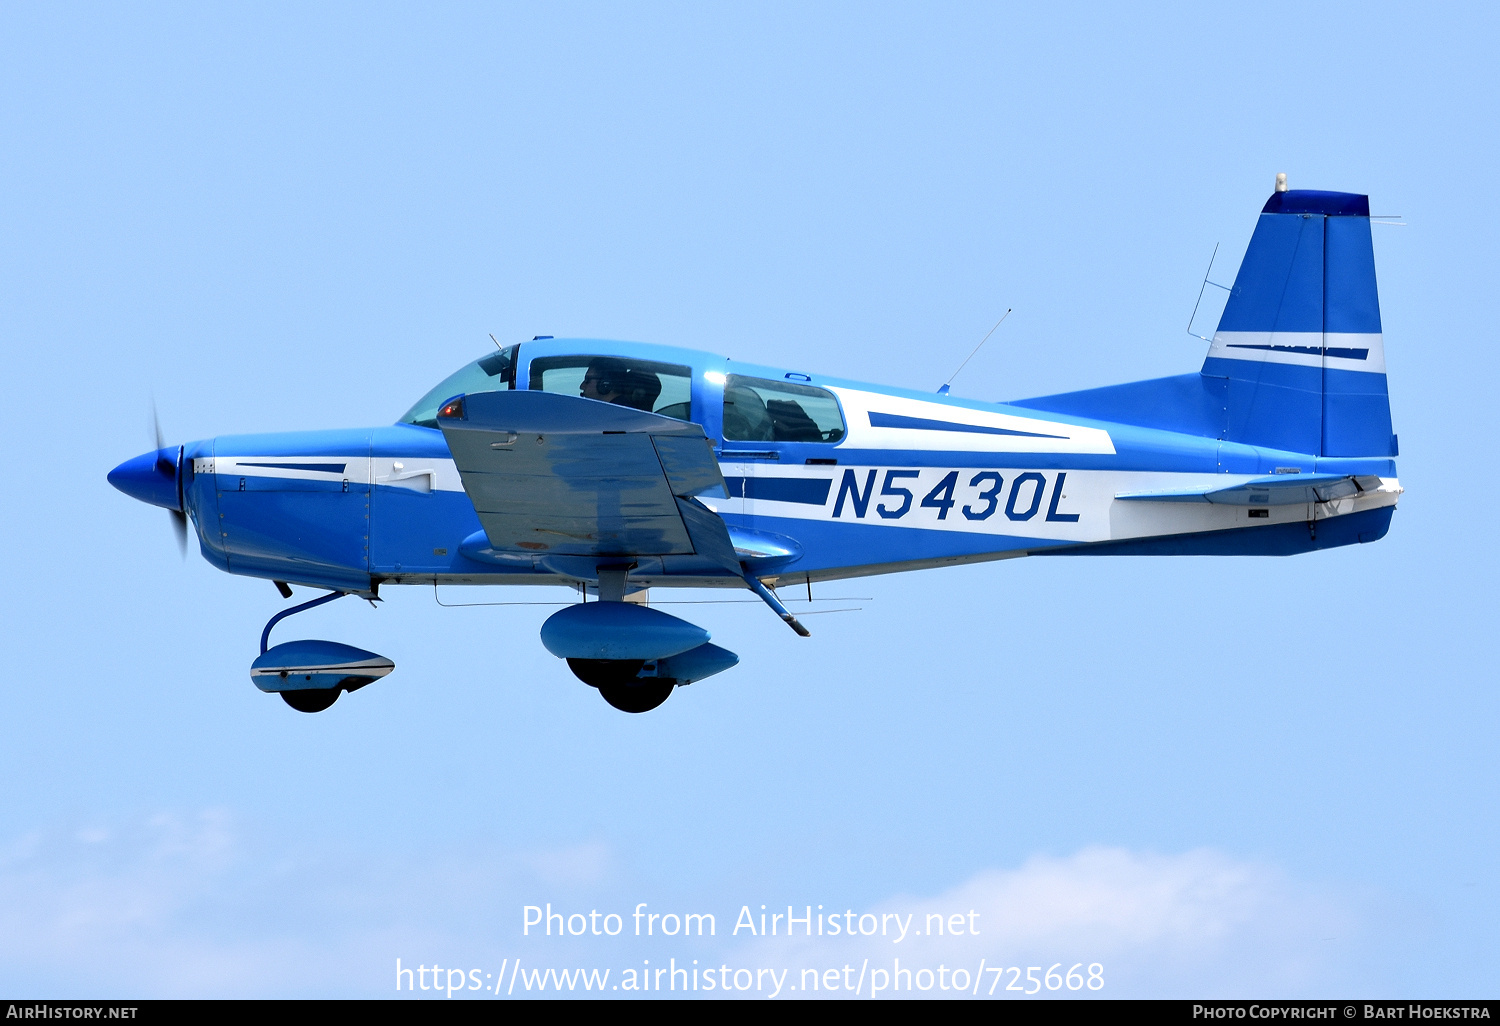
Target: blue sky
[(1214, 777)]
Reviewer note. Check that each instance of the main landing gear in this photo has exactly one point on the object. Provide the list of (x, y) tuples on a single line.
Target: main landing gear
[(620, 683), (633, 655)]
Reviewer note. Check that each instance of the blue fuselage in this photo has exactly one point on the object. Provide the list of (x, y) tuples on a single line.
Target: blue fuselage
[(907, 480)]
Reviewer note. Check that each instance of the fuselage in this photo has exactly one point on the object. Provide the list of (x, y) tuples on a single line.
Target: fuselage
[(851, 478)]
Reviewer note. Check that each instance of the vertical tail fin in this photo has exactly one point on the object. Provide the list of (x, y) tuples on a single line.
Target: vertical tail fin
[(1300, 342)]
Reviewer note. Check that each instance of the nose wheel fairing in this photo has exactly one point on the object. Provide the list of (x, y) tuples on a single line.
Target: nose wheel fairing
[(311, 665), (309, 675)]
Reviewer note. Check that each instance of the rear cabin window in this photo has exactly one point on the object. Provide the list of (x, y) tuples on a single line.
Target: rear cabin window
[(762, 410), (663, 388)]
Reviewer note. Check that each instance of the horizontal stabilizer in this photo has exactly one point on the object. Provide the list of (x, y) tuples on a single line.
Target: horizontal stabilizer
[(1278, 490)]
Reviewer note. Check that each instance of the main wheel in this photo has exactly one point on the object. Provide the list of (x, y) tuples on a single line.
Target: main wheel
[(598, 673), (310, 700), (638, 696)]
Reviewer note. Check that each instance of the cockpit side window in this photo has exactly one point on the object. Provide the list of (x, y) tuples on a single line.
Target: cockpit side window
[(493, 373), (762, 410), (662, 388)]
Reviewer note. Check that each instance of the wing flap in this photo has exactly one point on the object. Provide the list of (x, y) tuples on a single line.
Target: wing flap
[(709, 534), (690, 465)]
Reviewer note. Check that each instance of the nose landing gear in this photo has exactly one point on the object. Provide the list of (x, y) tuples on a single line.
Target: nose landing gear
[(310, 675), (310, 700)]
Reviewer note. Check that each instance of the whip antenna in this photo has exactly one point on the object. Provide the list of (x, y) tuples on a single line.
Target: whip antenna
[(947, 384)]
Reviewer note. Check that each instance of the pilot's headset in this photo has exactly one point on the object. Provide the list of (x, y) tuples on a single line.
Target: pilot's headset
[(613, 376)]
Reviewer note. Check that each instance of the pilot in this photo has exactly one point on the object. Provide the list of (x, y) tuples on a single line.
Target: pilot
[(612, 380)]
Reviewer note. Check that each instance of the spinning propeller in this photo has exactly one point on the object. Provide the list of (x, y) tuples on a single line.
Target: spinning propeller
[(169, 467)]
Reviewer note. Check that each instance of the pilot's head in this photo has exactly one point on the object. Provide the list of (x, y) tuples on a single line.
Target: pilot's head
[(606, 379), (612, 380)]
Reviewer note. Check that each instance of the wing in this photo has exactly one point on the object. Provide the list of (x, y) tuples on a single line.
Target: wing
[(571, 476), (1277, 490)]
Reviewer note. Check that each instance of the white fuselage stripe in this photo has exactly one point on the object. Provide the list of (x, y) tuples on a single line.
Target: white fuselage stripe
[(1339, 351)]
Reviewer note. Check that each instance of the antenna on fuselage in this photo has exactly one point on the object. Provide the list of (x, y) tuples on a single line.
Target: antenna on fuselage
[(943, 390), (1280, 187), (495, 340)]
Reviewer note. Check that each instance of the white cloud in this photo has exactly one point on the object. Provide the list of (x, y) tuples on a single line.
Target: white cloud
[(185, 905), (576, 864), (101, 897), (1195, 924)]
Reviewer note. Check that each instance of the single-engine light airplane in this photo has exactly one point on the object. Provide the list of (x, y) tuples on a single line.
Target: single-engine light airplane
[(615, 467)]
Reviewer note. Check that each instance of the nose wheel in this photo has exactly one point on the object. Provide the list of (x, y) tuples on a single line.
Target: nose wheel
[(639, 696), (310, 700)]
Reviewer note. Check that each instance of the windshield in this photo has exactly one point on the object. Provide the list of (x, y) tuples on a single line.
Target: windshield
[(493, 373)]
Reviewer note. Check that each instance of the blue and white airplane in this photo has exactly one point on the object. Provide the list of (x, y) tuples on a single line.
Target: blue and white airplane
[(616, 467)]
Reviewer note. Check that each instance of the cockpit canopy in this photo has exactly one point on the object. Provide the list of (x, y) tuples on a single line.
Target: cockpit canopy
[(649, 385), (755, 409)]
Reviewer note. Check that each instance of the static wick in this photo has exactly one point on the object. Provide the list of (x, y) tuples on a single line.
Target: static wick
[(949, 383)]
